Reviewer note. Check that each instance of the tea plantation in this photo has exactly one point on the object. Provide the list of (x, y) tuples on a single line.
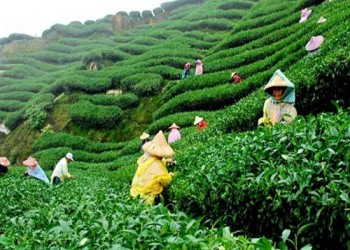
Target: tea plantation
[(92, 88)]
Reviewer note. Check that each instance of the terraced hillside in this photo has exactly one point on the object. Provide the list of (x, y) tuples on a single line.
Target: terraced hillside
[(233, 177)]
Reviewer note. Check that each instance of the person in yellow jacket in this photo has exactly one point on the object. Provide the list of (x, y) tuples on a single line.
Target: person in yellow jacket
[(152, 175), (280, 106)]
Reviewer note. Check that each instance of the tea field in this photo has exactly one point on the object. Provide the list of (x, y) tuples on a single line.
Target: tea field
[(92, 88)]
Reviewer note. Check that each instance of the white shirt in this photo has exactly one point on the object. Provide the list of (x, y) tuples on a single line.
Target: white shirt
[(61, 170)]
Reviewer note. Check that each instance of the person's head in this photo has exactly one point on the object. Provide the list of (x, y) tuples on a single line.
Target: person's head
[(280, 88), (69, 157), (30, 162), (158, 147)]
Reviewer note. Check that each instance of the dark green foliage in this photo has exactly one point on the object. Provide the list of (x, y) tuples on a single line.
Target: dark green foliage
[(87, 115), (142, 84), (123, 101), (277, 178), (14, 119), (235, 5)]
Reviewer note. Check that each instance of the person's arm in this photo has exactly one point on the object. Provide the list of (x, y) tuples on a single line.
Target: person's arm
[(65, 171)]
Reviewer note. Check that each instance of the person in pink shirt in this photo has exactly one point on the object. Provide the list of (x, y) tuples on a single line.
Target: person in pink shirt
[(199, 67), (174, 133)]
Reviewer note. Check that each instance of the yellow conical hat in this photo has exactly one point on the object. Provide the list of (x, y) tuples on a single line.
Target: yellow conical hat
[(197, 120), (158, 146)]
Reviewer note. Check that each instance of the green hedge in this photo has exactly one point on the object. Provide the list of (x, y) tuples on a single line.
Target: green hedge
[(123, 101), (87, 115), (267, 180)]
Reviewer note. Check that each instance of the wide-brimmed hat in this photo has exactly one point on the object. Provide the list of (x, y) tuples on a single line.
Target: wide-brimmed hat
[(321, 20), (174, 125), (305, 13), (144, 136), (314, 43), (4, 162), (197, 120), (198, 62), (30, 162), (158, 146), (233, 73), (277, 80)]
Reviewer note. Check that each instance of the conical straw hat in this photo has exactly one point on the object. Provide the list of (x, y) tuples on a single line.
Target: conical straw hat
[(174, 126), (197, 120), (305, 13), (144, 136), (233, 73), (277, 80), (158, 146), (4, 162), (314, 43), (321, 20), (31, 162)]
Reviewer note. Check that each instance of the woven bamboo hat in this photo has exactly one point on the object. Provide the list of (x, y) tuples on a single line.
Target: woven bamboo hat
[(31, 162), (158, 146), (4, 162), (173, 126), (233, 74), (144, 136), (314, 43), (197, 120), (321, 20), (277, 80)]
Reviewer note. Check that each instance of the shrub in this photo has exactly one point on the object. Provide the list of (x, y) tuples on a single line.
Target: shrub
[(87, 115)]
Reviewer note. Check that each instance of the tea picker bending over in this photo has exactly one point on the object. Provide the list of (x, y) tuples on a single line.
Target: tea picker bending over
[(61, 170), (152, 176), (34, 170)]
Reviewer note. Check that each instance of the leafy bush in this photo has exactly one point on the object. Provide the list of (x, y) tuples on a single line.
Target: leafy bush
[(123, 101), (87, 115), (270, 179)]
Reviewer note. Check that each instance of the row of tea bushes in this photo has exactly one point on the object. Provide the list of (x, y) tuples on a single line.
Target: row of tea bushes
[(87, 216), (52, 140), (264, 181), (123, 101), (88, 115)]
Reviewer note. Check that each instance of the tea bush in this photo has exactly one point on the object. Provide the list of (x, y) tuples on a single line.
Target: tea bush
[(270, 179), (87, 115)]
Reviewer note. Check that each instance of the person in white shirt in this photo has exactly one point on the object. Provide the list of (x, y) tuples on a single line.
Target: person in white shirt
[(61, 170)]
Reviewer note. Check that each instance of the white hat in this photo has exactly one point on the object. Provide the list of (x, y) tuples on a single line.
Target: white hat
[(197, 120), (69, 156)]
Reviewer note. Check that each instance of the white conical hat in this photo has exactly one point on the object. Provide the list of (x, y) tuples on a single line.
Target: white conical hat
[(144, 136), (174, 125), (197, 120), (158, 146), (321, 20)]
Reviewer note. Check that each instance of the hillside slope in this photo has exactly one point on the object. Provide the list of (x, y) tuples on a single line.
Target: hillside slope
[(254, 180)]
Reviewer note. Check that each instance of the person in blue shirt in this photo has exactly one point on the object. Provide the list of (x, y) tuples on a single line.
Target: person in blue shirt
[(34, 170)]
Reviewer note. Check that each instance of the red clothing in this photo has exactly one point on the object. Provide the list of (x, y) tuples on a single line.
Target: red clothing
[(202, 125), (236, 79)]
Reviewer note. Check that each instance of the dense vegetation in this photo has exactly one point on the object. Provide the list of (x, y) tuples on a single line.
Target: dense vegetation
[(92, 89)]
